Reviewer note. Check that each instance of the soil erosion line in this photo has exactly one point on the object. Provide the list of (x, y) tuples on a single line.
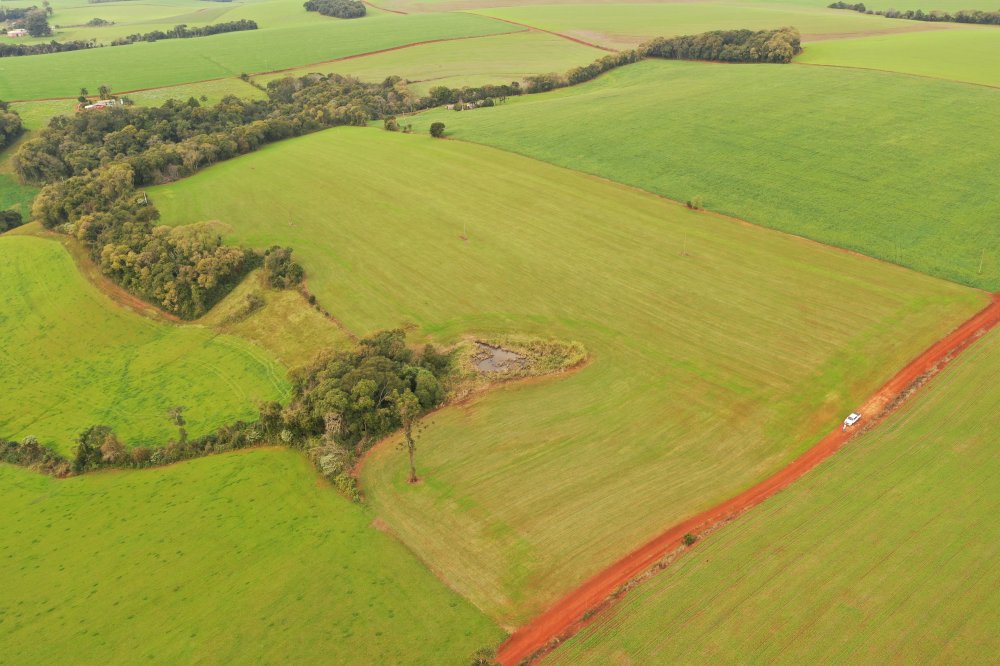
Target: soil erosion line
[(553, 33), (570, 614)]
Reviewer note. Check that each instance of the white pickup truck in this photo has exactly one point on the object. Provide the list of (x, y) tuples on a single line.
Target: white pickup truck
[(852, 418)]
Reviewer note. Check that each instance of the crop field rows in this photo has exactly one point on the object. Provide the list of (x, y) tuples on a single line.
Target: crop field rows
[(745, 252)]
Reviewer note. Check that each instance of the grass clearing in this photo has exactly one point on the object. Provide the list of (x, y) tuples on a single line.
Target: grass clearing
[(718, 350), (236, 558), (895, 538), (785, 147), (971, 56), (154, 65), (15, 195), (471, 62), (73, 358)]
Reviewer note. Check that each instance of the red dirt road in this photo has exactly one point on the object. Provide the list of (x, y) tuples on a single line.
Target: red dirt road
[(555, 34), (566, 617)]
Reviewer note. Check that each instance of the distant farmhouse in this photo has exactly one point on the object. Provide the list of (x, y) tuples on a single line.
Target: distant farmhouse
[(18, 32)]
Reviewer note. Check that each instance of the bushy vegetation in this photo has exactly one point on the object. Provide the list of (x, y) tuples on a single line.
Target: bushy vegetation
[(778, 45), (11, 126), (93, 162), (184, 32), (10, 219), (961, 16), (8, 50), (337, 8)]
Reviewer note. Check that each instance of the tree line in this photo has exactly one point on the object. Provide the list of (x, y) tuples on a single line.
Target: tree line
[(961, 16), (341, 405), (184, 32), (776, 46), (8, 50), (344, 9)]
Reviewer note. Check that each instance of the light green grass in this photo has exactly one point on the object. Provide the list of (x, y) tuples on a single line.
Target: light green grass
[(287, 326), (72, 358), (234, 559), (718, 350), (469, 62), (885, 554), (188, 60), (868, 161), (15, 195), (972, 56), (626, 25)]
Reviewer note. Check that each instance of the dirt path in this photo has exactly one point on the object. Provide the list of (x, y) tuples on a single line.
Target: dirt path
[(383, 9), (566, 616), (550, 32)]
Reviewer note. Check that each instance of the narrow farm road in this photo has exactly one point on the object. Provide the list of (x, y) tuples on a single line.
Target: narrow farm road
[(567, 616), (553, 33)]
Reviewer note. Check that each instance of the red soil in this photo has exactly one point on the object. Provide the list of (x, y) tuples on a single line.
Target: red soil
[(567, 616)]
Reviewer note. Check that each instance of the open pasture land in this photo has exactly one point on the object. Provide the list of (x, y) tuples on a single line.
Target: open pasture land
[(468, 62), (887, 553), (169, 62), (971, 56), (626, 25), (238, 558), (72, 358), (897, 167), (15, 195), (718, 350)]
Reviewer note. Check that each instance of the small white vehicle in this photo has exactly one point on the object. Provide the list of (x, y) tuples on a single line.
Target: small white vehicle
[(852, 418)]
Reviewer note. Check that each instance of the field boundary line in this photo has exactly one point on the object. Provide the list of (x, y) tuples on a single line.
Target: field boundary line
[(383, 9), (897, 72), (576, 609), (548, 32), (352, 56)]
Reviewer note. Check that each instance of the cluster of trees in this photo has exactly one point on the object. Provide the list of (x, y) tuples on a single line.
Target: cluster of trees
[(91, 164), (18, 13), (337, 8), (36, 22), (8, 50), (778, 45), (441, 95), (961, 16), (11, 126), (10, 219), (34, 455), (184, 32)]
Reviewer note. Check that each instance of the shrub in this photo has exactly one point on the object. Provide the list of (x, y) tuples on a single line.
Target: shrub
[(437, 130)]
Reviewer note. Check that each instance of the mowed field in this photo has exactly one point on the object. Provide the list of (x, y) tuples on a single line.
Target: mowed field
[(239, 558), (622, 25), (971, 56), (897, 167), (169, 62), (885, 554), (718, 350), (468, 62), (72, 358)]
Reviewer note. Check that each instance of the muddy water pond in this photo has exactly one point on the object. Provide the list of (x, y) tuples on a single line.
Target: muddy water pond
[(497, 359)]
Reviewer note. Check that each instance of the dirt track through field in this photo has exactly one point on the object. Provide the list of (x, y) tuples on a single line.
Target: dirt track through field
[(553, 33), (569, 614)]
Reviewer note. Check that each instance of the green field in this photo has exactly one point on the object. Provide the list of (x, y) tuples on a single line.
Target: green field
[(626, 25), (149, 65), (718, 350), (72, 358), (499, 59), (868, 161), (885, 554), (241, 558), (972, 56), (14, 195)]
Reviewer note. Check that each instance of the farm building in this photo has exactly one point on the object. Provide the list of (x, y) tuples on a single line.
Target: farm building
[(18, 32)]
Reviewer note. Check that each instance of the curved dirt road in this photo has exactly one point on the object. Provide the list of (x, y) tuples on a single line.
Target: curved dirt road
[(566, 616)]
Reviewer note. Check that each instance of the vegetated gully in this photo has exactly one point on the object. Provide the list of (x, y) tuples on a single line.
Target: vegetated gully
[(571, 613)]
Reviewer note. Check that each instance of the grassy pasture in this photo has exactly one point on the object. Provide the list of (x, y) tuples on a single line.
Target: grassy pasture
[(718, 350), (72, 358), (971, 56), (626, 25), (189, 60), (240, 558), (15, 195), (895, 539), (497, 59), (897, 167)]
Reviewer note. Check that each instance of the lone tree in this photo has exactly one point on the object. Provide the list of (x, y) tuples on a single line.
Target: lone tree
[(408, 406), (176, 416), (37, 24), (437, 130)]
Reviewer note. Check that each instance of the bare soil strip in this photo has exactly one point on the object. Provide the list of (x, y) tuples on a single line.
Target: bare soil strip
[(550, 32), (573, 611)]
